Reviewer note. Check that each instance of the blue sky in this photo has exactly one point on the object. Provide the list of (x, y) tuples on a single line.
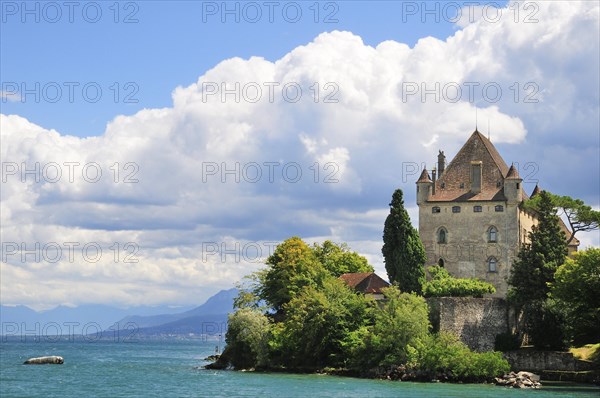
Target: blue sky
[(171, 44), (194, 183)]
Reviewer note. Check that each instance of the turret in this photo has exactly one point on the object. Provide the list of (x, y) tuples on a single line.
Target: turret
[(424, 184), (512, 186)]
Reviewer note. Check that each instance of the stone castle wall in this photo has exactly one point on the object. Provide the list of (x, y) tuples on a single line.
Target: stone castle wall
[(476, 321), (467, 250)]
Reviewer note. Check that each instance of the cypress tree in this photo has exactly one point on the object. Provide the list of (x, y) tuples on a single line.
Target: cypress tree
[(403, 251)]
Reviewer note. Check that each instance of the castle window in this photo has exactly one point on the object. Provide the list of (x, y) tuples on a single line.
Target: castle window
[(518, 185), (442, 236), (492, 264), (498, 184), (441, 262), (455, 209), (443, 185), (492, 234), (477, 209), (462, 185), (435, 209), (499, 208)]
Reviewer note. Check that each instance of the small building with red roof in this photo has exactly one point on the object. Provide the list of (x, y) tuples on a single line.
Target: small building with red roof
[(368, 283)]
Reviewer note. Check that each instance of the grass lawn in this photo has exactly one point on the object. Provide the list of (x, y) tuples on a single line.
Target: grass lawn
[(590, 352)]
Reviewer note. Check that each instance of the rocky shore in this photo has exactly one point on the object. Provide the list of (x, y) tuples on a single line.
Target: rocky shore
[(519, 380)]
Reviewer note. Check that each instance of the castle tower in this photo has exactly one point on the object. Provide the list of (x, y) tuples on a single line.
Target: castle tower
[(513, 189), (424, 184)]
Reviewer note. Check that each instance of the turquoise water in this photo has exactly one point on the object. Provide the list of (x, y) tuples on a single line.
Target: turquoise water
[(170, 368)]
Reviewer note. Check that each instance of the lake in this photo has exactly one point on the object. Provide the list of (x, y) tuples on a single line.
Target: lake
[(171, 368)]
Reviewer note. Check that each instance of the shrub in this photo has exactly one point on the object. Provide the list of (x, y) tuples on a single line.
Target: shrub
[(445, 355), (319, 325), (442, 284), (400, 326)]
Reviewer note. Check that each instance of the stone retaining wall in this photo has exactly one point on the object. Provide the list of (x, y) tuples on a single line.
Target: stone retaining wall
[(538, 361), (476, 321)]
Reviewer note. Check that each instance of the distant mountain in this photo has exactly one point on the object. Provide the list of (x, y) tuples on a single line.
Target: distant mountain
[(206, 318), (90, 316), (212, 324), (220, 303)]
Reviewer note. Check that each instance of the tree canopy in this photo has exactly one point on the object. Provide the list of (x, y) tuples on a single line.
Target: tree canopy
[(318, 325), (247, 338), (319, 322), (338, 259), (580, 216), (403, 251), (292, 266), (399, 331), (538, 260), (576, 287)]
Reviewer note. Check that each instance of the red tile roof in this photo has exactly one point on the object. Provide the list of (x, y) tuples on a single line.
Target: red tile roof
[(424, 176), (494, 170), (365, 282)]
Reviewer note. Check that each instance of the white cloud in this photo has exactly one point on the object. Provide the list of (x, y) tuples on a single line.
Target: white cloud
[(10, 96), (213, 170)]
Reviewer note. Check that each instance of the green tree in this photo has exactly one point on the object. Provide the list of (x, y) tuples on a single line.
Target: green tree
[(318, 325), (403, 251), (538, 260), (576, 288), (321, 322), (247, 339), (442, 284), (401, 326), (580, 216), (249, 291), (339, 259), (545, 324), (292, 266), (533, 272)]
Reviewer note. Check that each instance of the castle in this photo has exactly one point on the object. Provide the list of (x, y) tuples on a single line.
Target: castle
[(470, 216)]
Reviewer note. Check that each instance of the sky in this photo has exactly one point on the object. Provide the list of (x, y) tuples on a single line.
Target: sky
[(155, 152)]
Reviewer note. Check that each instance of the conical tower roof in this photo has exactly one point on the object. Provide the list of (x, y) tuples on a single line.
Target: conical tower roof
[(512, 172), (424, 176)]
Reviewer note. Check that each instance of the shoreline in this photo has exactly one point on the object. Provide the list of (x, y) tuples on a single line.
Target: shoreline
[(401, 373), (347, 373)]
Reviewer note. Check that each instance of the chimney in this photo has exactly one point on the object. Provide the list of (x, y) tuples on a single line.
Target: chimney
[(441, 163), (433, 174)]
